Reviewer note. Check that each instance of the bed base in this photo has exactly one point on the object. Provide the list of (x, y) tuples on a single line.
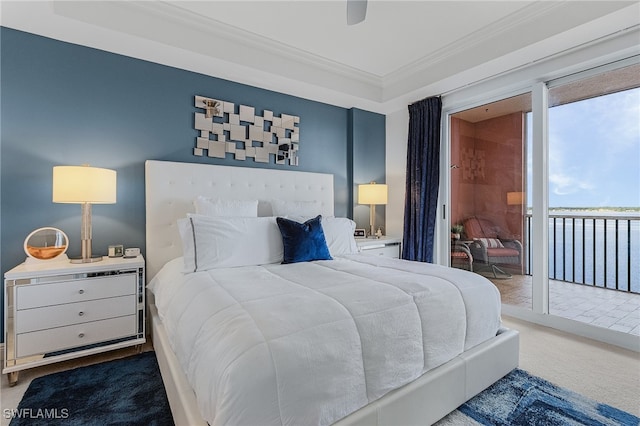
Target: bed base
[(424, 401), (170, 189)]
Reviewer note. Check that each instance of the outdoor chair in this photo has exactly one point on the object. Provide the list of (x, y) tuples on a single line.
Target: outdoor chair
[(461, 255), (491, 247)]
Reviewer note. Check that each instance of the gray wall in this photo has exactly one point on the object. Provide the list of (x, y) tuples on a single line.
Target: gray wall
[(64, 104)]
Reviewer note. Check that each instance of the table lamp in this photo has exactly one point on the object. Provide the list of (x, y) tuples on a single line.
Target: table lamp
[(515, 198), (84, 185), (372, 194)]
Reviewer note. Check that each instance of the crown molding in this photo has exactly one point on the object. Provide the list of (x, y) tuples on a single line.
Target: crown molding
[(217, 39), (444, 78), (168, 34), (220, 30), (471, 41)]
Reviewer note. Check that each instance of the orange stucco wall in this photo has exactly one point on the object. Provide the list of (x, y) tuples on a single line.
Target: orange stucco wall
[(490, 159)]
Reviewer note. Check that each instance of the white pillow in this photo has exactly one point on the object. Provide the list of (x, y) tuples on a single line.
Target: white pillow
[(188, 249), (224, 242), (338, 231), (229, 208), (295, 208)]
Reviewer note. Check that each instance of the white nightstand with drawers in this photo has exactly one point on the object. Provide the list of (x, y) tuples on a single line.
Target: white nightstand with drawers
[(383, 246), (54, 311)]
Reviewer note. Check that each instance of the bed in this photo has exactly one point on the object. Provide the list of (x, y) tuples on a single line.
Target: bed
[(409, 353)]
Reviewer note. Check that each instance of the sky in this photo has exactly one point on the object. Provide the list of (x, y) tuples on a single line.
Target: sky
[(594, 152)]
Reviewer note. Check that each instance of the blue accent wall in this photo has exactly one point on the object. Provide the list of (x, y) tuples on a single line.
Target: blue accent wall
[(367, 154), (65, 104)]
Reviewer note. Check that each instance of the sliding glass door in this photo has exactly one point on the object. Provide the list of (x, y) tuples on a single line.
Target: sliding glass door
[(594, 197), (544, 196), (490, 221)]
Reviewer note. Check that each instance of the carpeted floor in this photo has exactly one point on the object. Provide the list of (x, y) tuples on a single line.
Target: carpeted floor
[(130, 391)]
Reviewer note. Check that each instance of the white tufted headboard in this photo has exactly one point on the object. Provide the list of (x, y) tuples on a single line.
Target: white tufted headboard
[(171, 187)]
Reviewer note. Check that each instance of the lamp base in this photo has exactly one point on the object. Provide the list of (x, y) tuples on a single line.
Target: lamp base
[(86, 255), (85, 260)]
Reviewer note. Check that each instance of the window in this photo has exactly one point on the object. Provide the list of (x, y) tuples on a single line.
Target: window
[(577, 139)]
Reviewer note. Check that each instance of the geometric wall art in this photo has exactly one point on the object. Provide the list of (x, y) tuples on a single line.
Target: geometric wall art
[(236, 129), (472, 164)]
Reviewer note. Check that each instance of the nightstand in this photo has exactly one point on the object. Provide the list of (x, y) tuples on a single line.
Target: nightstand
[(56, 310), (383, 246)]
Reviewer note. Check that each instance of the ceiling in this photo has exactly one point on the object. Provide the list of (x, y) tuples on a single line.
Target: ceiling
[(403, 51)]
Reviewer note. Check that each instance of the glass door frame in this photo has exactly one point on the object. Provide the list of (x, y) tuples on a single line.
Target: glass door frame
[(539, 311), (540, 239), (540, 295), (540, 198)]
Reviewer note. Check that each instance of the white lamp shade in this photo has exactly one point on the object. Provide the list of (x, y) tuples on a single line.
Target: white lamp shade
[(515, 198), (372, 193), (84, 184)]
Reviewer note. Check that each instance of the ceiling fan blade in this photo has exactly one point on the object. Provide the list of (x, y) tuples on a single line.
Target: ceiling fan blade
[(356, 11)]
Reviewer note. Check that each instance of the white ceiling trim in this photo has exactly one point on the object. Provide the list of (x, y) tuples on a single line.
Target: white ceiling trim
[(186, 44), (218, 40), (38, 18), (500, 27), (575, 55), (216, 30), (247, 48)]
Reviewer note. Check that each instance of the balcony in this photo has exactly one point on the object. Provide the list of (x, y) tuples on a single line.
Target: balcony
[(594, 270), (615, 310)]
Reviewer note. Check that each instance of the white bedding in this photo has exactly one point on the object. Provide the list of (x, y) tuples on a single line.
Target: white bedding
[(309, 343)]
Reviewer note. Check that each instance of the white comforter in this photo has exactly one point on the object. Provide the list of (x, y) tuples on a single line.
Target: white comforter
[(309, 343)]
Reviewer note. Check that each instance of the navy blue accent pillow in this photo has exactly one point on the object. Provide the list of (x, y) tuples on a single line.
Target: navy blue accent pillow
[(303, 242)]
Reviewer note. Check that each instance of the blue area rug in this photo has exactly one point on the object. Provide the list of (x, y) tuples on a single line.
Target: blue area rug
[(522, 399), (126, 391)]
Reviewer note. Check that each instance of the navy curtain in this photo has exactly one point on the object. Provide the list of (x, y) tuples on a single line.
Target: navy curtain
[(423, 179)]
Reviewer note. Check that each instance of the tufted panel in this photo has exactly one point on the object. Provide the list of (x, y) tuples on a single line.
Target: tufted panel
[(171, 187)]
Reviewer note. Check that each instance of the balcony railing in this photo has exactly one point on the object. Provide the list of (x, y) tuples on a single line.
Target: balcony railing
[(601, 251)]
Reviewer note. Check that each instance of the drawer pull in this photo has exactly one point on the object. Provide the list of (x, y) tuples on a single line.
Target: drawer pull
[(81, 291), (81, 335), (80, 313)]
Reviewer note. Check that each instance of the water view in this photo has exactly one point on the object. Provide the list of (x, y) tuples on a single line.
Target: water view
[(595, 247)]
